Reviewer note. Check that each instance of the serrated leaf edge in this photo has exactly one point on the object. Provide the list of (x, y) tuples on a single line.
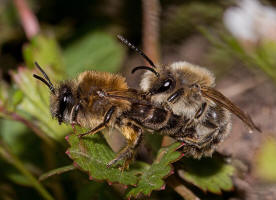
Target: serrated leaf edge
[(164, 177)]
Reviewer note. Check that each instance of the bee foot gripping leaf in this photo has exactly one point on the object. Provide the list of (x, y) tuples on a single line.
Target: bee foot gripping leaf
[(92, 154)]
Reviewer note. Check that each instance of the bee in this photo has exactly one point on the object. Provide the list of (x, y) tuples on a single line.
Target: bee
[(98, 100), (188, 91)]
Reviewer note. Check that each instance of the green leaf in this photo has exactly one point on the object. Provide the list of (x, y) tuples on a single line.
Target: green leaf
[(152, 176), (92, 155), (12, 133), (95, 51), (46, 51), (4, 92), (18, 178), (209, 174), (17, 97), (36, 103), (266, 160), (95, 190)]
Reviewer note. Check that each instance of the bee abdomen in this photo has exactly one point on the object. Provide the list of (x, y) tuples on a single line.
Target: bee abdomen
[(173, 124), (155, 118)]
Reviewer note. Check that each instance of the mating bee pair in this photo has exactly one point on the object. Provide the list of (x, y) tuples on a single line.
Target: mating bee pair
[(178, 100)]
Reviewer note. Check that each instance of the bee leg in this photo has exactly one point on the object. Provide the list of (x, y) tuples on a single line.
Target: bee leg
[(102, 125), (73, 116), (175, 96), (133, 134), (199, 143)]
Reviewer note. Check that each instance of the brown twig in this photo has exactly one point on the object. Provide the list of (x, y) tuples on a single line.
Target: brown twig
[(151, 43), (28, 19), (181, 189), (151, 12)]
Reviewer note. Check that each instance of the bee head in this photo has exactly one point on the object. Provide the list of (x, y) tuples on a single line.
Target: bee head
[(61, 100), (178, 85)]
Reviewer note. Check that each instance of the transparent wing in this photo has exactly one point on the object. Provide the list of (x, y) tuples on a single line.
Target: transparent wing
[(223, 101)]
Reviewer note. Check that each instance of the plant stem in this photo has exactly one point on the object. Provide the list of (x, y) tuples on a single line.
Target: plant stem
[(60, 170), (181, 189), (6, 153), (151, 45), (28, 19), (30, 125)]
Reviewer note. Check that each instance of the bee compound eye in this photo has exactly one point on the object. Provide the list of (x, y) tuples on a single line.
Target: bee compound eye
[(167, 83)]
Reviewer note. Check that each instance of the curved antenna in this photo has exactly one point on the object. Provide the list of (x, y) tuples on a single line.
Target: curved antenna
[(126, 42), (146, 68), (47, 81)]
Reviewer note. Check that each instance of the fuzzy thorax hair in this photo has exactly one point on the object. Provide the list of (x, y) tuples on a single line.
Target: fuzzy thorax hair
[(184, 72)]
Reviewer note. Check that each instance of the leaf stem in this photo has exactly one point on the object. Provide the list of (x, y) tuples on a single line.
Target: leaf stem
[(28, 19), (151, 45), (30, 125), (57, 171), (181, 189), (6, 153)]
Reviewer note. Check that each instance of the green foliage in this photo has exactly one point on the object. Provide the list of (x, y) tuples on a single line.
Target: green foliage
[(261, 55), (152, 176), (95, 190), (36, 103), (59, 170), (266, 160), (92, 155), (12, 134), (185, 18), (95, 51), (209, 174), (46, 51), (26, 100)]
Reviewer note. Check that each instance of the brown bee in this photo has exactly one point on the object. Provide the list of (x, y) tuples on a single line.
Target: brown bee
[(98, 100), (188, 91)]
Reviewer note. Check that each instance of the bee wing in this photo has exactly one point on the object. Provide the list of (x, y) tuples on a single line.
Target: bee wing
[(223, 101), (130, 95)]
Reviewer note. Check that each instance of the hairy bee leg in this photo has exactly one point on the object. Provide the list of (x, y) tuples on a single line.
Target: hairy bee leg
[(200, 143), (74, 113), (133, 134), (101, 126), (73, 116), (93, 131)]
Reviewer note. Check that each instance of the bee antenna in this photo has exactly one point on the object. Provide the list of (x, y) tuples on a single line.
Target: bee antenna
[(146, 68), (126, 42), (47, 81)]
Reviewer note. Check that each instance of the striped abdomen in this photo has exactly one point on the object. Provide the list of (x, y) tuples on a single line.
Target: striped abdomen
[(155, 118)]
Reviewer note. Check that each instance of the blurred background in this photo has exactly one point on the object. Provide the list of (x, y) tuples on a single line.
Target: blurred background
[(234, 39)]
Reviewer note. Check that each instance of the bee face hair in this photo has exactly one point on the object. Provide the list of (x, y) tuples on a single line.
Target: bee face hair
[(184, 73), (62, 102), (62, 99)]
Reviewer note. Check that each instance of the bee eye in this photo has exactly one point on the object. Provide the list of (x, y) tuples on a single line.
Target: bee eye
[(65, 99), (166, 85)]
